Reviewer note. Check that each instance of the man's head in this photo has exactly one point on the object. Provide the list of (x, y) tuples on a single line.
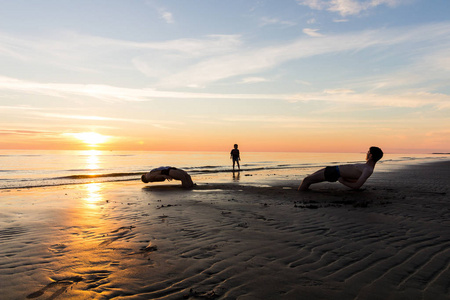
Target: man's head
[(235, 146), (144, 179), (376, 152)]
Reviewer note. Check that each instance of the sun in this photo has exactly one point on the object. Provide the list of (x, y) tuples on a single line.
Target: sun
[(91, 138)]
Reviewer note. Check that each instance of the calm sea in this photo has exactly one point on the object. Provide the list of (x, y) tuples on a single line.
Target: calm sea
[(25, 169)]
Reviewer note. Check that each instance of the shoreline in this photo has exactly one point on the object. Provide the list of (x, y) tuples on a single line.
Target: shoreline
[(235, 240), (52, 169)]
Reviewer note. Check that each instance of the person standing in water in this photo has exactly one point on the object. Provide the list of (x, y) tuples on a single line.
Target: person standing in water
[(235, 156)]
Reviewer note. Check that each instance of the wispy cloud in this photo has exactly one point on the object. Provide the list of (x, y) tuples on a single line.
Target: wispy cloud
[(93, 54), (312, 32), (254, 80), (166, 15), (157, 123), (163, 12), (251, 61), (348, 7), (275, 21), (283, 121), (79, 120), (199, 62), (24, 132), (340, 20), (107, 93)]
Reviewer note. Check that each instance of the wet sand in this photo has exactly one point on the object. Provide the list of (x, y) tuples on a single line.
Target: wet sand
[(390, 240)]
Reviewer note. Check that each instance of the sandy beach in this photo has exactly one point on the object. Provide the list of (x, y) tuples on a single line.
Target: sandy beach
[(230, 240)]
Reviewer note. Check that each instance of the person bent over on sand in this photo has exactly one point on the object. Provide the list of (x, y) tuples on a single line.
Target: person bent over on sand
[(169, 173), (353, 176)]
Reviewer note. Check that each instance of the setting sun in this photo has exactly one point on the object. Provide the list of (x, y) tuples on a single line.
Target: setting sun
[(91, 138)]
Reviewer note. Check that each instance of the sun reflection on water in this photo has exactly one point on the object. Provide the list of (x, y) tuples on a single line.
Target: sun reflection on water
[(92, 159), (93, 194)]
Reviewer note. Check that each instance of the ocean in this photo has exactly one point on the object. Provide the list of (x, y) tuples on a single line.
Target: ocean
[(39, 168)]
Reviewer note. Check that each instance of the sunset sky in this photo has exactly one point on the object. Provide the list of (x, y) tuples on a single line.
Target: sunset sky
[(201, 75)]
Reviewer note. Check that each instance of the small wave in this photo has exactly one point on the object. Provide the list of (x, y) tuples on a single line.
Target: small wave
[(205, 167), (84, 170), (20, 155), (40, 184), (87, 176)]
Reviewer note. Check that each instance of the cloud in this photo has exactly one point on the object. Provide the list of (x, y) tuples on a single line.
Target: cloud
[(166, 58), (339, 91), (315, 122), (312, 32), (303, 82), (162, 12), (407, 99), (96, 55), (62, 90), (19, 107), (155, 123), (38, 113), (23, 132), (439, 60), (254, 80), (201, 61), (83, 117), (248, 61), (166, 15), (107, 93), (340, 20), (274, 21), (347, 7)]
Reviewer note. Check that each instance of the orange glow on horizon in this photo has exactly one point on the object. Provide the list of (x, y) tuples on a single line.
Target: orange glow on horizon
[(248, 140)]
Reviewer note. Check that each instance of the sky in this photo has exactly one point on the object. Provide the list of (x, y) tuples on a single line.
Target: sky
[(202, 75)]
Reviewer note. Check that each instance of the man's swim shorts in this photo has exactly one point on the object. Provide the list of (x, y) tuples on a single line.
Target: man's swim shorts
[(164, 170), (332, 174)]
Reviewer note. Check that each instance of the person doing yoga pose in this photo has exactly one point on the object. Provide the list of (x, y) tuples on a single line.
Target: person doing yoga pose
[(352, 176), (169, 173)]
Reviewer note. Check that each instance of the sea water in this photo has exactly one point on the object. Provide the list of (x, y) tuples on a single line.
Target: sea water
[(37, 168)]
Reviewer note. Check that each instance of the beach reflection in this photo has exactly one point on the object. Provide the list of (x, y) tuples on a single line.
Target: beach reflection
[(93, 195), (87, 249), (236, 176)]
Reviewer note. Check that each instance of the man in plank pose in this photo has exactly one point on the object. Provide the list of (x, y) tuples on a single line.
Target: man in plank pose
[(353, 176)]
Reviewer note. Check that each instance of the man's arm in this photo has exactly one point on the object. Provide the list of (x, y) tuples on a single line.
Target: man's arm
[(359, 182)]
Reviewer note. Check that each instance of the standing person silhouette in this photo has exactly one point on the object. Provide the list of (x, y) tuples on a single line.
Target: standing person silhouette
[(235, 156)]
